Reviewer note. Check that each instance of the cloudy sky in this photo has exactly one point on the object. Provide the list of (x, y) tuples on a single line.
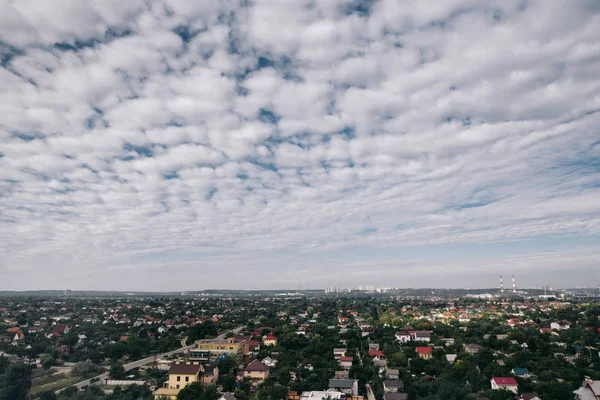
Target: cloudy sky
[(180, 145)]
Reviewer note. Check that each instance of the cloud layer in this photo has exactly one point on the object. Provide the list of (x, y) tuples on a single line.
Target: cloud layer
[(197, 135)]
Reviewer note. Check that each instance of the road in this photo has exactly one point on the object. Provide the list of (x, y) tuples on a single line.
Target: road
[(144, 361), (370, 394)]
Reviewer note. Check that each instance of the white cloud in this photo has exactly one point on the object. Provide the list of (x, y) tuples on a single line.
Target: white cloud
[(183, 131)]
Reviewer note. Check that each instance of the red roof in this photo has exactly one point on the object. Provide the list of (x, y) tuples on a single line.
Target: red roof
[(375, 353), (505, 381), (271, 337), (424, 350), (13, 330), (346, 359)]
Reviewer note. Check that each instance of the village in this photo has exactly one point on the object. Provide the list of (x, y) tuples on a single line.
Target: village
[(304, 347)]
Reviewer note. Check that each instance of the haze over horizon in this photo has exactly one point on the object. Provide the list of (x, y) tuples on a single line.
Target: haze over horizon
[(176, 145)]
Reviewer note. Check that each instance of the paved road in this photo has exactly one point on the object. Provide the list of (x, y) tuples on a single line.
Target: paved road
[(144, 361), (370, 394)]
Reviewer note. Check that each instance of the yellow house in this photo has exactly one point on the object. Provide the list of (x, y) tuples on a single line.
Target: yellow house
[(270, 340), (181, 374), (205, 348), (256, 371)]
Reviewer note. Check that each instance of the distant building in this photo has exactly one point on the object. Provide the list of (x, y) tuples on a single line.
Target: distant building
[(589, 390), (393, 385), (505, 383), (210, 349), (424, 352), (348, 386)]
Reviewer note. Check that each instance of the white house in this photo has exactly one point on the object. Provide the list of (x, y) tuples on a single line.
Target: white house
[(505, 383), (403, 337), (560, 325)]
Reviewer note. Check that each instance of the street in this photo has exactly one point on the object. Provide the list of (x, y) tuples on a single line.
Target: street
[(144, 361)]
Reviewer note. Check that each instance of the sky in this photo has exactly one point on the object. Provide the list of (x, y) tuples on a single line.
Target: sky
[(260, 144)]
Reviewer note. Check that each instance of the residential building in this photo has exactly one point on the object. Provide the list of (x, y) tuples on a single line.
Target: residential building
[(392, 373), (403, 337), (393, 385), (424, 352), (521, 372), (210, 349), (505, 383), (560, 325), (256, 371), (472, 348), (395, 396), (270, 340), (183, 373), (420, 336), (347, 386), (589, 390), (346, 362)]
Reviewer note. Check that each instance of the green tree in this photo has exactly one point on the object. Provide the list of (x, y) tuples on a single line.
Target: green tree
[(15, 382), (48, 395), (116, 371), (195, 391)]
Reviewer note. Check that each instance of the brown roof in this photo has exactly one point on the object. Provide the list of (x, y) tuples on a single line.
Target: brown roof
[(184, 369), (256, 366)]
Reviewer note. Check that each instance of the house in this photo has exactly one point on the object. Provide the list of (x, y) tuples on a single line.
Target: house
[(181, 374), (18, 337), (346, 362), (589, 390), (392, 373), (424, 352), (348, 386), (61, 328), (210, 375), (395, 396), (521, 372), (403, 337), (420, 336), (451, 358), (207, 349), (376, 354), (472, 348), (270, 340), (373, 346), (505, 383), (560, 325), (341, 374), (393, 385), (339, 352), (256, 371), (548, 331), (514, 322)]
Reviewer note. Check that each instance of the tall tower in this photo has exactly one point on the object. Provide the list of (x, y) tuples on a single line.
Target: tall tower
[(514, 285), (501, 285)]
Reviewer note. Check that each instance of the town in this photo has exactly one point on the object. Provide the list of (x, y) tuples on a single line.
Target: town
[(300, 345)]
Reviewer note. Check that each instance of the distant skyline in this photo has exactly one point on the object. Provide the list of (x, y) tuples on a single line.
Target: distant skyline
[(176, 145)]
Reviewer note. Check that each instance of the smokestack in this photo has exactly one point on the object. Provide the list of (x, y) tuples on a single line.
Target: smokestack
[(514, 285), (501, 285)]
